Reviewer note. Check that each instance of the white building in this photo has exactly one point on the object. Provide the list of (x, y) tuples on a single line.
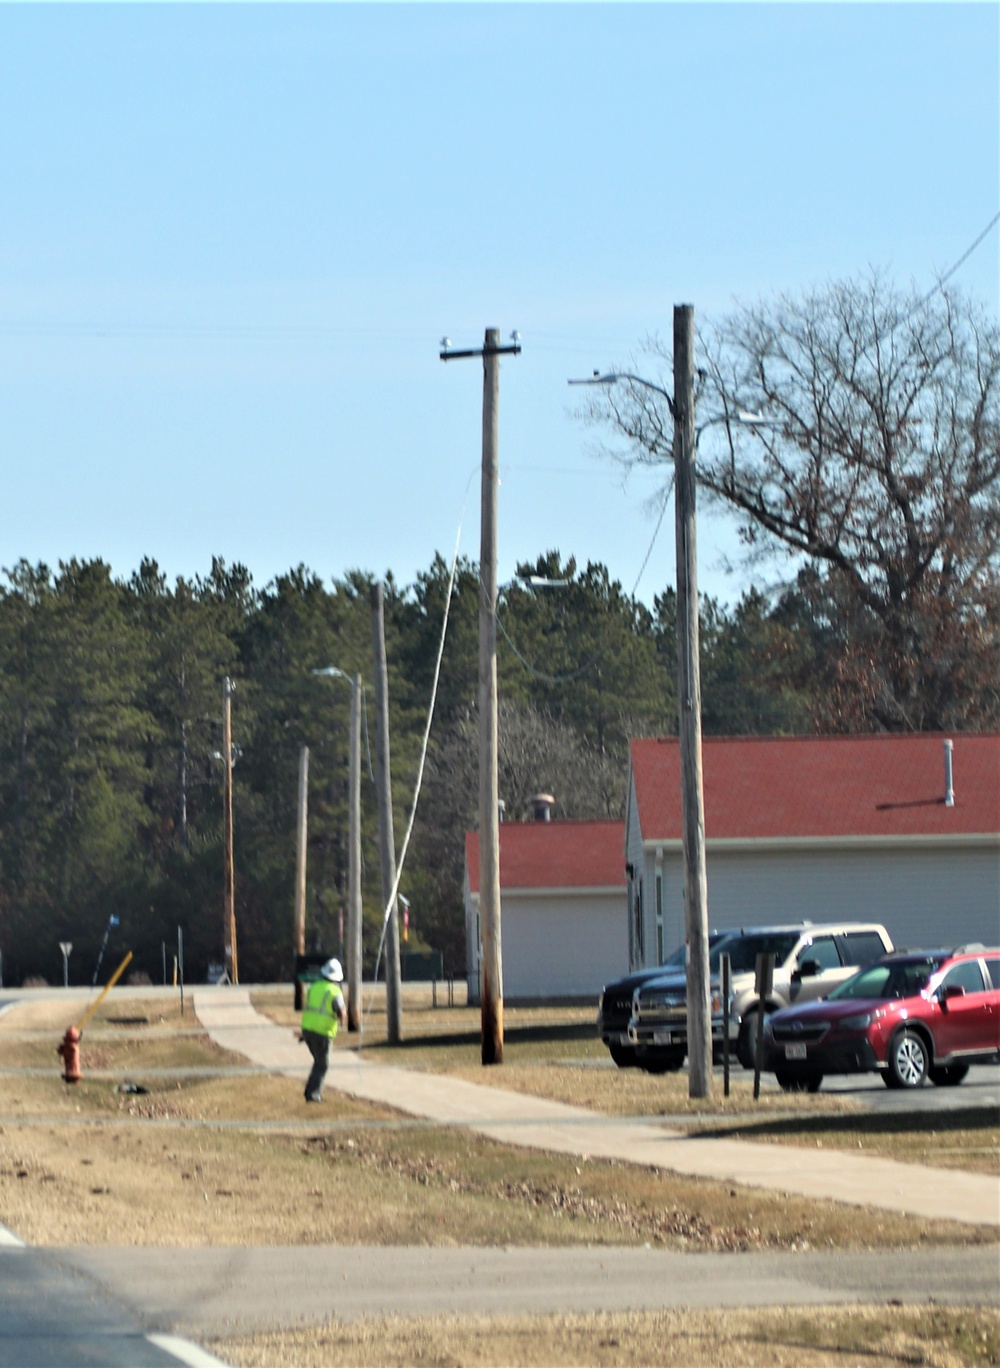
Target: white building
[(564, 929), (823, 828)]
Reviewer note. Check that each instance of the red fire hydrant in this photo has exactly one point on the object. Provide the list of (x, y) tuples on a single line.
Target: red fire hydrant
[(70, 1051)]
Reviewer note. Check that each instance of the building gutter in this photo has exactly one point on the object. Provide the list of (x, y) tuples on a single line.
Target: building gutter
[(977, 840)]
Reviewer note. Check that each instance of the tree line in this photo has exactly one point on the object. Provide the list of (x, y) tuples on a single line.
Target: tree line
[(110, 733)]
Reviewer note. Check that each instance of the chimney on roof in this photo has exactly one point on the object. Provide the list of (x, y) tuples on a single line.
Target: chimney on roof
[(542, 805), (949, 785)]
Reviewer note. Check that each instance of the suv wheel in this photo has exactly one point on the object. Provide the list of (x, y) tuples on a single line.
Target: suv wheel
[(746, 1044), (623, 1055), (947, 1075), (908, 1061)]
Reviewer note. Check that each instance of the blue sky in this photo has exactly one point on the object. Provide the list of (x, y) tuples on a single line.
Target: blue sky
[(232, 236)]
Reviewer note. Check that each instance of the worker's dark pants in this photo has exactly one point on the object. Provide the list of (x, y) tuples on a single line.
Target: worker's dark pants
[(319, 1048)]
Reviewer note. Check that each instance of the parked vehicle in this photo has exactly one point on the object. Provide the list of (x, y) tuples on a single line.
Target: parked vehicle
[(614, 1006), (657, 1028), (809, 959), (924, 1014)]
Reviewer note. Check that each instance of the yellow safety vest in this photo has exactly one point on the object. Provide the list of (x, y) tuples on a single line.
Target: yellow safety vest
[(320, 1015)]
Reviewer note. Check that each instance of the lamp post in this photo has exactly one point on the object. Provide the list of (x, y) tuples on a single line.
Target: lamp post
[(301, 861), (354, 850), (229, 878), (681, 407)]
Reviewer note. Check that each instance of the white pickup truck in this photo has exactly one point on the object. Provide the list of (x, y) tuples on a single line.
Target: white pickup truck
[(809, 959)]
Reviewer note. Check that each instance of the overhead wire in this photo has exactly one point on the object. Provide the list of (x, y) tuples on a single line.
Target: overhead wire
[(390, 904), (960, 262), (581, 670)]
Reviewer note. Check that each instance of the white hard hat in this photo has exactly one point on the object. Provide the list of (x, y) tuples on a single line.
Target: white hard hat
[(332, 970)]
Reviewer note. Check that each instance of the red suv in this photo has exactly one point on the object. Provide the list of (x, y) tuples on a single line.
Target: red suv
[(925, 1014)]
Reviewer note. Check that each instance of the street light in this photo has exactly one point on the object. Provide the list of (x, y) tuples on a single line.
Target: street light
[(354, 849), (681, 407)]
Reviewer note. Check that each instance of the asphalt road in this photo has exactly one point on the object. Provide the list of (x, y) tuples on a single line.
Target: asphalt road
[(206, 1292), (981, 1088), (54, 1315)]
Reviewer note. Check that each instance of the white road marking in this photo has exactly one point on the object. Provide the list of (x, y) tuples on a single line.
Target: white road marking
[(186, 1352)]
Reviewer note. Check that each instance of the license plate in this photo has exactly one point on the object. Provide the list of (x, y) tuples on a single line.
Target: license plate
[(796, 1051), (662, 1037)]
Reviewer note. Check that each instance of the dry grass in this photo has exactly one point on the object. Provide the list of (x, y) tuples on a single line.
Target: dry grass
[(224, 1155), (771, 1338), (154, 1179)]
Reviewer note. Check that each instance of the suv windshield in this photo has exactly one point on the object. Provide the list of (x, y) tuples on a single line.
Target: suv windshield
[(744, 949), (676, 960), (889, 980)]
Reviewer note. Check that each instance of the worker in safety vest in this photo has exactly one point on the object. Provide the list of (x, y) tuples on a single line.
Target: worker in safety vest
[(325, 1010)]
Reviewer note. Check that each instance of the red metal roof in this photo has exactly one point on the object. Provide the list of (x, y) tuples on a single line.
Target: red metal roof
[(772, 788), (555, 855)]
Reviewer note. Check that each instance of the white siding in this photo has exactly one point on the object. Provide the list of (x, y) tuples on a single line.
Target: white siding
[(641, 887), (472, 946), (924, 897), (566, 945)]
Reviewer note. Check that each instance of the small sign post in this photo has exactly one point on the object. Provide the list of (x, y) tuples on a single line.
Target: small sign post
[(763, 979), (725, 966)]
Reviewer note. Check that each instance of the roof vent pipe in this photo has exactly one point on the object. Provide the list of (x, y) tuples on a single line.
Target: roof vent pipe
[(949, 786), (542, 805), (501, 809)]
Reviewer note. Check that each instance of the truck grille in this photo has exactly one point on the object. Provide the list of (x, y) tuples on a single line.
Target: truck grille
[(662, 1011)]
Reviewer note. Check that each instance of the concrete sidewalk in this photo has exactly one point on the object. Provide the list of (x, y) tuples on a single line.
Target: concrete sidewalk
[(520, 1119)]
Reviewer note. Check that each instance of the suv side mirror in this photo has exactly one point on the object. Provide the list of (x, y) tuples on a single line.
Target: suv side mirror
[(808, 969), (951, 990)]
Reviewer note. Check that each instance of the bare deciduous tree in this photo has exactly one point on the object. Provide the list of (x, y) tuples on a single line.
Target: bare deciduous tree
[(536, 753), (877, 463)]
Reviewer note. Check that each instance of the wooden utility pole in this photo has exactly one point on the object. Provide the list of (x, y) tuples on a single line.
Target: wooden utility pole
[(489, 794), (229, 888), (354, 866), (386, 838), (491, 960), (299, 924), (699, 1016)]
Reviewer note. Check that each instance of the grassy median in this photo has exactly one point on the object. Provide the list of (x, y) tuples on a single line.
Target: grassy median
[(169, 1140)]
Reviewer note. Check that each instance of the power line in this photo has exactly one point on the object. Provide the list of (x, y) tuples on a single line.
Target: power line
[(596, 659), (942, 280)]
